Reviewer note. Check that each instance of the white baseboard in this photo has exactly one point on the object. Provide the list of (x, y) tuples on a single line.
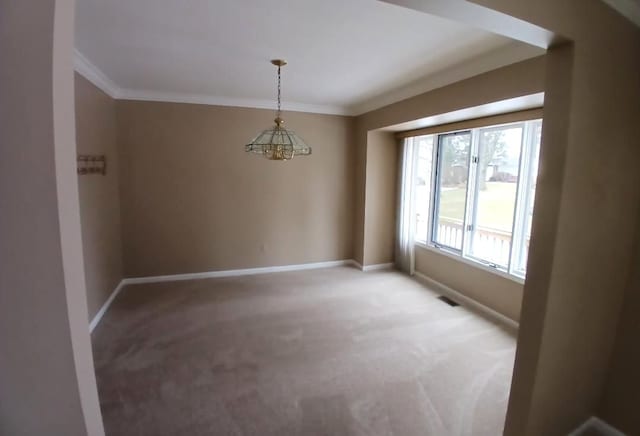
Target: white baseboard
[(463, 299), (376, 267), (237, 272), (356, 264), (371, 267), (595, 423), (98, 316), (227, 273)]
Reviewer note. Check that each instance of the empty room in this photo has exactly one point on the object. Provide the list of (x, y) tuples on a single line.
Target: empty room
[(363, 217)]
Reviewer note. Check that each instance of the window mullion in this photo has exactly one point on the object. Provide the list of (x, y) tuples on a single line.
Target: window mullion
[(415, 156), (517, 231), (434, 188), (522, 197), (472, 193)]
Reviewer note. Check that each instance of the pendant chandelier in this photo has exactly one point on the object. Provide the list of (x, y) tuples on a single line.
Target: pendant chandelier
[(276, 142)]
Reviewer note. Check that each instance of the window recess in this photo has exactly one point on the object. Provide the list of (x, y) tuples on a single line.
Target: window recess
[(478, 203)]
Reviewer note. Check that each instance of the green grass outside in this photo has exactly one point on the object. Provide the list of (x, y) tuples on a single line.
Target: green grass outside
[(495, 206)]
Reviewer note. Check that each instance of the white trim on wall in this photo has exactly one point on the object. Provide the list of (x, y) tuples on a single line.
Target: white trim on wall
[(237, 272), (464, 300), (376, 267), (227, 273), (597, 424), (176, 97), (357, 264), (458, 258), (508, 54), (98, 316), (93, 74)]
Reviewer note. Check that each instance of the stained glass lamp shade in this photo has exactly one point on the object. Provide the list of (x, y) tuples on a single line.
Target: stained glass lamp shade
[(276, 142)]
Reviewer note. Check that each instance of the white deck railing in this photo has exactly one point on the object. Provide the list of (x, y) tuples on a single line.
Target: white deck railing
[(489, 244)]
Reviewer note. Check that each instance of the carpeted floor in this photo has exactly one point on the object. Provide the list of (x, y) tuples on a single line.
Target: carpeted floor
[(319, 352)]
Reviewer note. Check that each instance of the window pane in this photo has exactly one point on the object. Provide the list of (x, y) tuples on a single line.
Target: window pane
[(453, 173), (423, 185), (497, 182)]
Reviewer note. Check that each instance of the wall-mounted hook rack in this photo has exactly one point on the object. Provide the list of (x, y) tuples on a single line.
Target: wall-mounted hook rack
[(92, 164)]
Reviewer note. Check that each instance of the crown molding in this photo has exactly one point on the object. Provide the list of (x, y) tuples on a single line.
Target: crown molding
[(502, 56), (507, 54), (177, 97), (93, 74)]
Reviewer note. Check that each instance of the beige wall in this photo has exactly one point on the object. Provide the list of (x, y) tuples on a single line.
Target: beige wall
[(578, 271), (622, 395), (499, 293), (193, 200), (515, 80), (96, 133), (380, 203), (47, 382), (548, 200)]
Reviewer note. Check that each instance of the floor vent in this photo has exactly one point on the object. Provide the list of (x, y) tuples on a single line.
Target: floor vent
[(447, 300)]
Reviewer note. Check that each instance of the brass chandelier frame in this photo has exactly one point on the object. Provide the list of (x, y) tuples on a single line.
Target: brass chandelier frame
[(278, 143)]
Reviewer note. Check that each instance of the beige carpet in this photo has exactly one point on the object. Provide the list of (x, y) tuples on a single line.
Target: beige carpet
[(320, 352)]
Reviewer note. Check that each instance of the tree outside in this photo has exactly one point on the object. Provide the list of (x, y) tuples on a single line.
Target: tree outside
[(498, 175)]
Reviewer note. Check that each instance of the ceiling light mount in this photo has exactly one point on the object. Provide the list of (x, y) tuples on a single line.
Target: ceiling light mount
[(278, 143)]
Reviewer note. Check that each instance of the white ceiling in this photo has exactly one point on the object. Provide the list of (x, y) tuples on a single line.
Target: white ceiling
[(345, 56)]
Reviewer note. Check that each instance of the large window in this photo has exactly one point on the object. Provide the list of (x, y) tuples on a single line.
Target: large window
[(475, 190)]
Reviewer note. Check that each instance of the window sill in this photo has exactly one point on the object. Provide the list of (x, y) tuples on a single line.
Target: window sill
[(470, 262)]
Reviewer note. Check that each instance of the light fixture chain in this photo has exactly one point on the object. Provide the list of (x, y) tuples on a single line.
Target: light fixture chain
[(279, 91)]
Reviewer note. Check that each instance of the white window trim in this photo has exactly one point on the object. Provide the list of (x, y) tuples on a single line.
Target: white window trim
[(474, 263), (522, 196)]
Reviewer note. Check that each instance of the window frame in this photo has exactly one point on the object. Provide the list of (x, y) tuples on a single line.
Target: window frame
[(435, 190), (431, 182), (521, 204), (524, 193), (475, 198)]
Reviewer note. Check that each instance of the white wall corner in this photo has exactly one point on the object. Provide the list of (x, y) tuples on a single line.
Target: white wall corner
[(93, 74)]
